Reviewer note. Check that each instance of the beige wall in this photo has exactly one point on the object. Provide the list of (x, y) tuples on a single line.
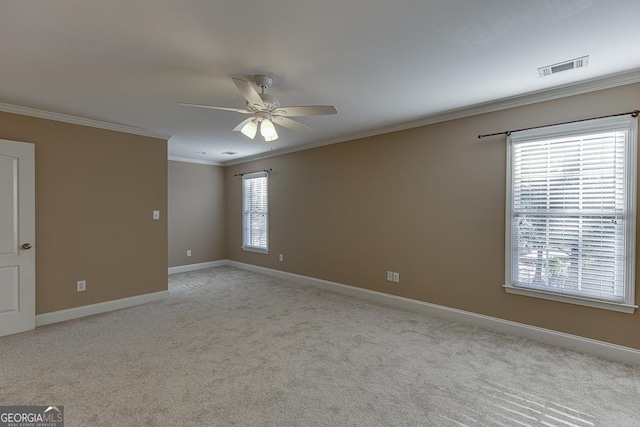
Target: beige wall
[(197, 217), (95, 193), (427, 202)]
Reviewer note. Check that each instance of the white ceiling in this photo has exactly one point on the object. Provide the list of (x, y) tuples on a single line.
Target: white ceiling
[(381, 63)]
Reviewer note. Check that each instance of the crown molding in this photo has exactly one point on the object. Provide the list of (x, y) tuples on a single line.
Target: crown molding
[(48, 115), (197, 161), (564, 91)]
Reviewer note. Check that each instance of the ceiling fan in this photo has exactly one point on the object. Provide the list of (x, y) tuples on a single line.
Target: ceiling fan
[(266, 110)]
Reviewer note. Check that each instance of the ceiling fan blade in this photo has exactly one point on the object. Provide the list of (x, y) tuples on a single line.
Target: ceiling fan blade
[(291, 124), (308, 110), (249, 93), (237, 110), (242, 123)]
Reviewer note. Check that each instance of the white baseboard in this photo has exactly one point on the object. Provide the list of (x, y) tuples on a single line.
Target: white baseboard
[(193, 267), (101, 307), (547, 336)]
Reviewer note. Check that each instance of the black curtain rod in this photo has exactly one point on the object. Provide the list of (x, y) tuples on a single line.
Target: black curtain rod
[(247, 173), (634, 113)]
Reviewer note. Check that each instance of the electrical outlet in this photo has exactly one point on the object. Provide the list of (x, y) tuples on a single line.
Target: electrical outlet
[(188, 252), (390, 276), (281, 257), (156, 214), (396, 277), (81, 285)]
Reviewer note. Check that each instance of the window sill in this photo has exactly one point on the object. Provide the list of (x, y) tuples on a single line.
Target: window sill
[(570, 299), (258, 250)]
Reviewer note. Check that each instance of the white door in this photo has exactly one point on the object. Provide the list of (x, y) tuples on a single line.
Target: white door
[(17, 237)]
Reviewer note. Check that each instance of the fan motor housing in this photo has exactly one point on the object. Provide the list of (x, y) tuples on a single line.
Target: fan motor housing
[(271, 103)]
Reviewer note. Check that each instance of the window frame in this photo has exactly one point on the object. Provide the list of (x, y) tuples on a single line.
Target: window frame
[(629, 214), (245, 237)]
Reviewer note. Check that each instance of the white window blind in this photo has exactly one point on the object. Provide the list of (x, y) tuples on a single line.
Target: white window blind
[(255, 211), (571, 210)]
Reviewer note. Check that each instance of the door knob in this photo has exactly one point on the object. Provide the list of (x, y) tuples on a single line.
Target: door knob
[(26, 246)]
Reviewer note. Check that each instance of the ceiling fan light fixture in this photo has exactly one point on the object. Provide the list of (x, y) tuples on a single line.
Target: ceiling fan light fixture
[(250, 129), (265, 111), (268, 130)]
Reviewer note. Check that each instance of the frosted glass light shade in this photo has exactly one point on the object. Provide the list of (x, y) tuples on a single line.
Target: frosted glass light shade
[(272, 137), (268, 130), (250, 129)]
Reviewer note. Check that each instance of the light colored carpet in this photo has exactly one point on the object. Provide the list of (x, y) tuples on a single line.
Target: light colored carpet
[(234, 348)]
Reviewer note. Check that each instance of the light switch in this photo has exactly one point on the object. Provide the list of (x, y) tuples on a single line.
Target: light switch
[(156, 214)]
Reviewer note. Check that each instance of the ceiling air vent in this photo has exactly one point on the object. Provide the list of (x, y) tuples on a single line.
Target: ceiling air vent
[(563, 66)]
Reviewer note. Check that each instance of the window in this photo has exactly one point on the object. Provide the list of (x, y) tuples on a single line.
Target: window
[(571, 201), (255, 211)]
